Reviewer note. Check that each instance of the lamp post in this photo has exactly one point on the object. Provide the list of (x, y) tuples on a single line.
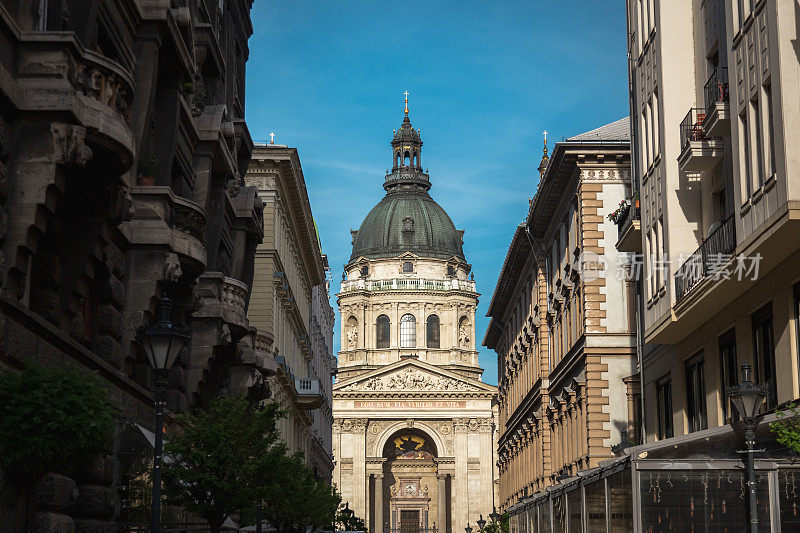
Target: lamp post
[(494, 516), (347, 513), (748, 397), (481, 523), (467, 529), (162, 342)]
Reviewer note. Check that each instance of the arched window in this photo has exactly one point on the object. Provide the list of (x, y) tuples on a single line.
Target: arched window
[(407, 159), (408, 331), (382, 329), (432, 331)]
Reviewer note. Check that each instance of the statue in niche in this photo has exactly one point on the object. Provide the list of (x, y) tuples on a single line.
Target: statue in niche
[(352, 337), (463, 338)]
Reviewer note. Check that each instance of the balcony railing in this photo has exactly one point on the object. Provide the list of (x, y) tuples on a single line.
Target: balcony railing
[(405, 284), (692, 127), (707, 259), (626, 218), (716, 89)]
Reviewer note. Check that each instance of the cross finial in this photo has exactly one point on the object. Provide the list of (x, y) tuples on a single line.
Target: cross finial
[(406, 95), (272, 137), (545, 133)]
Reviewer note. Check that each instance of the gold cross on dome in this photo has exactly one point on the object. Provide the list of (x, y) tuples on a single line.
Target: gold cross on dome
[(545, 133), (406, 95), (272, 137)]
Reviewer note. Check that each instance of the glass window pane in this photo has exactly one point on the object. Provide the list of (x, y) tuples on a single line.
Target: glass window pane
[(575, 509), (408, 331), (559, 514), (621, 502), (544, 517), (595, 494), (701, 500), (788, 488), (433, 331), (383, 327)]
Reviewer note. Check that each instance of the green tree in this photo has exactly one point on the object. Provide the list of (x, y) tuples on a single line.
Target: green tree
[(293, 498), (349, 521), (501, 526), (216, 464), (787, 427), (51, 420)]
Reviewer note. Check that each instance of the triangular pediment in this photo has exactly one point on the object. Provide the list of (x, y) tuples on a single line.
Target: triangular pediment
[(412, 375)]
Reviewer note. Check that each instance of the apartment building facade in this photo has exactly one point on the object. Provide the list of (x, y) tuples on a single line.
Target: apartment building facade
[(122, 149), (288, 302), (714, 107), (562, 321)]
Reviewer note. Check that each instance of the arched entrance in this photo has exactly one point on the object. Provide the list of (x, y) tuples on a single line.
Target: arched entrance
[(410, 482)]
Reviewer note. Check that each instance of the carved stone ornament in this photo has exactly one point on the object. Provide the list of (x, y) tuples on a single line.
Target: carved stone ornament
[(68, 144), (411, 379), (172, 268)]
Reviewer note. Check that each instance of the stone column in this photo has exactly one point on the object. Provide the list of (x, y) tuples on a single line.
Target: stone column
[(441, 503), (460, 485), (360, 486), (378, 503)]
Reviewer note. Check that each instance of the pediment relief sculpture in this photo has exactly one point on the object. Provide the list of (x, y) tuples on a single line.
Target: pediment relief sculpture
[(411, 379)]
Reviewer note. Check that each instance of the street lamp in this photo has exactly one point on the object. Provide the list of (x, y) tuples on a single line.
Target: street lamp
[(481, 523), (494, 515), (347, 513), (162, 342), (468, 529), (748, 397)]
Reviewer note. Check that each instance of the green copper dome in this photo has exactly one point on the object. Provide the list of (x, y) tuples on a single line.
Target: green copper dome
[(407, 219)]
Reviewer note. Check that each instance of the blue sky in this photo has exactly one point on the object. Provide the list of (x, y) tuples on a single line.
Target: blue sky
[(486, 78)]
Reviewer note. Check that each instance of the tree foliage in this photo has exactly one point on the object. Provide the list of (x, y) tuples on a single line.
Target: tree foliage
[(52, 420), (349, 522), (216, 465), (501, 526), (787, 427), (293, 498)]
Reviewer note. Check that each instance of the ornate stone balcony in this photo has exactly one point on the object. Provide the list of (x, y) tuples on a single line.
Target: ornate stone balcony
[(162, 218), (407, 284), (55, 73), (309, 395), (224, 297)]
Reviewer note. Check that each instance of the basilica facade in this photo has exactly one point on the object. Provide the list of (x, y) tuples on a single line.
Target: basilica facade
[(414, 426)]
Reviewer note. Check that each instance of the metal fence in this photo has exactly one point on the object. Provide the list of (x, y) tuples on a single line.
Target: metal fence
[(716, 89), (715, 251)]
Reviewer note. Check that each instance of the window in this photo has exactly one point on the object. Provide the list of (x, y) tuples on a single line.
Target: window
[(746, 176), (764, 353), (759, 142), (408, 266), (696, 393), (382, 331), (364, 271), (408, 331), (451, 270), (432, 332), (772, 164), (727, 369), (664, 407)]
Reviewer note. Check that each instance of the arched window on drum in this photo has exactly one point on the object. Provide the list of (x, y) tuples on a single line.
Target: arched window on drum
[(432, 331)]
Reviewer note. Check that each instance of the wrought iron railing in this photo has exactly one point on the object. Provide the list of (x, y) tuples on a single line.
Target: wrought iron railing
[(707, 259), (692, 127), (716, 89), (626, 218)]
